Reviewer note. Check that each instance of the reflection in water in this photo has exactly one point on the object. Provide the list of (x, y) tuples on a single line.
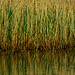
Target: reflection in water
[(38, 63)]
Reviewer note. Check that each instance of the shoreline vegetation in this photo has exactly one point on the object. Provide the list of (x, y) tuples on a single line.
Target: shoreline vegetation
[(37, 24)]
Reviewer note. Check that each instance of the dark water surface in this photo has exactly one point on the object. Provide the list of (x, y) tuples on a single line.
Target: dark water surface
[(37, 63)]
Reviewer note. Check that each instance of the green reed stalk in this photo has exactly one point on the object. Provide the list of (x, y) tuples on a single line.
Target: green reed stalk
[(67, 25), (2, 24), (62, 27), (18, 31), (59, 30), (34, 26), (54, 21), (28, 13), (26, 23), (68, 28), (9, 34), (18, 34), (0, 16), (71, 29), (49, 23), (74, 26), (21, 29)]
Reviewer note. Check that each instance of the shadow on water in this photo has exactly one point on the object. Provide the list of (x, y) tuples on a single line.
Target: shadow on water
[(37, 63)]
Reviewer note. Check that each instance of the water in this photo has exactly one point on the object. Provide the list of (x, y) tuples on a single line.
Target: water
[(37, 63)]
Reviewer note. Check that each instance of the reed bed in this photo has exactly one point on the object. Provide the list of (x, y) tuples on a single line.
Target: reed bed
[(37, 24)]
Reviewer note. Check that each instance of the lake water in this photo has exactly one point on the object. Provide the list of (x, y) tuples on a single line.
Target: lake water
[(37, 63)]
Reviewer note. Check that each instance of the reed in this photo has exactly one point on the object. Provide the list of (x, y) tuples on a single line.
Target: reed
[(53, 23)]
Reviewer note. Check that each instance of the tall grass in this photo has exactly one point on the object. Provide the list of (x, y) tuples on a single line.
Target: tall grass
[(51, 22)]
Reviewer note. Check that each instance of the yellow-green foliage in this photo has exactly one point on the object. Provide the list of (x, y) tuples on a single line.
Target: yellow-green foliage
[(52, 20)]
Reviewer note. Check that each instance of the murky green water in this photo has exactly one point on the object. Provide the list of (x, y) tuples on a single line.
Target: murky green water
[(38, 63)]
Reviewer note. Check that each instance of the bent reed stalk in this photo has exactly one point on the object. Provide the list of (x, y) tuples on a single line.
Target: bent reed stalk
[(20, 19)]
